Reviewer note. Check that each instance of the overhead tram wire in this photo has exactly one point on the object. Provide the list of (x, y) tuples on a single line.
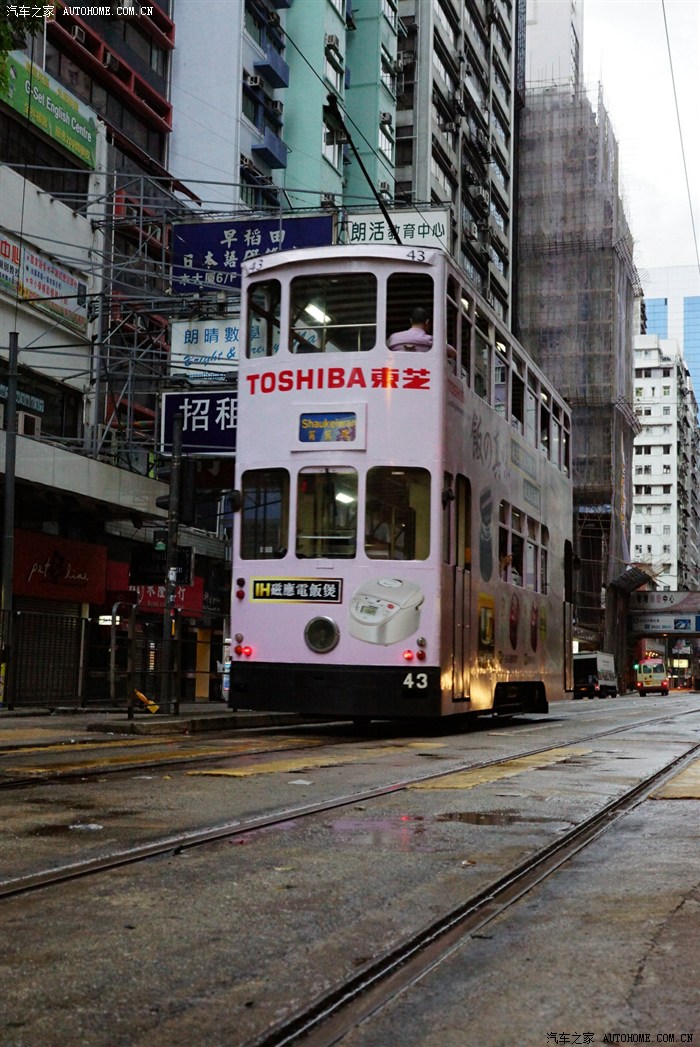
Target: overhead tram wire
[(680, 136)]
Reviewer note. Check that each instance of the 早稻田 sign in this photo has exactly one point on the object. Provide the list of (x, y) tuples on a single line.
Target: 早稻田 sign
[(207, 256), (49, 106)]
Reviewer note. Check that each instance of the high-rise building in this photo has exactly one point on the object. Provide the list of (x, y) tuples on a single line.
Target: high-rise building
[(672, 303), (462, 79), (666, 519), (553, 40), (576, 294)]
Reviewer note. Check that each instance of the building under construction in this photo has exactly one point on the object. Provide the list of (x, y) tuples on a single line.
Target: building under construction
[(575, 315)]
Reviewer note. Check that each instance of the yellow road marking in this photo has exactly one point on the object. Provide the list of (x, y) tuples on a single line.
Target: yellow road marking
[(483, 775), (683, 786), (168, 756), (63, 747), (301, 763)]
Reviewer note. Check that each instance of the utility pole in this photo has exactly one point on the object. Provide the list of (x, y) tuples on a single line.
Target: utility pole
[(8, 517), (170, 701)]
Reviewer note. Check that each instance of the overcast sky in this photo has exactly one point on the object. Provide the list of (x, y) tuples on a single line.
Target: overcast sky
[(625, 49)]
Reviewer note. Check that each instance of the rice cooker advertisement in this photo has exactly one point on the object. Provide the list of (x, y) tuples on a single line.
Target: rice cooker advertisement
[(385, 610)]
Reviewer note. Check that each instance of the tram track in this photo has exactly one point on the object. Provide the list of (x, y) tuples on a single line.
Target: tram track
[(101, 765), (329, 1017), (182, 841), (166, 760)]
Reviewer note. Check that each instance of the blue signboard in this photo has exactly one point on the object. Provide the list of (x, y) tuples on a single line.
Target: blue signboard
[(208, 422), (207, 256)]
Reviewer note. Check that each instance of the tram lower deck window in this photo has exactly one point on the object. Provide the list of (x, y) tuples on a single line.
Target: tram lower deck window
[(264, 514), (397, 516), (326, 513)]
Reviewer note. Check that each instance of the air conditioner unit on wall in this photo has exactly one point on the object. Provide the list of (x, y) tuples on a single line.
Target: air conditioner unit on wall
[(28, 424), (254, 81), (77, 33), (386, 119), (332, 41), (110, 61), (247, 162)]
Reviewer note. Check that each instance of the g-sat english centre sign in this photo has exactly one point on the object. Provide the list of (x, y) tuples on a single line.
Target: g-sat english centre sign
[(49, 106)]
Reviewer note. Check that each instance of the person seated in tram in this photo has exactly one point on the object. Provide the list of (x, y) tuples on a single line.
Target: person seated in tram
[(416, 339)]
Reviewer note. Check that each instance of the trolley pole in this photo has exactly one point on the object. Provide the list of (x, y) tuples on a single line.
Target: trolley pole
[(170, 701)]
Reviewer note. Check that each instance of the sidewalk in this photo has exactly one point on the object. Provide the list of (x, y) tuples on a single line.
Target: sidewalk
[(20, 727)]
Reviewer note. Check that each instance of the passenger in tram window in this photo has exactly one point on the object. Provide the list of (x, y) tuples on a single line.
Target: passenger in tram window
[(416, 339)]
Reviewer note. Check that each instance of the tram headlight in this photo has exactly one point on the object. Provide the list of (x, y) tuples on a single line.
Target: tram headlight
[(321, 635)]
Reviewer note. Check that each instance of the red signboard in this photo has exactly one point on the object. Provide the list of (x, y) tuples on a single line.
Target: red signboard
[(59, 569), (189, 599)]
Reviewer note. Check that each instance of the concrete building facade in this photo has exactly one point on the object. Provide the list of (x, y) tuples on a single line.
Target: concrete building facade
[(84, 197), (666, 518), (576, 294)]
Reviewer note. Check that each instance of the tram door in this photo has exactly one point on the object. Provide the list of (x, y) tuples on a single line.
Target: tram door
[(462, 588)]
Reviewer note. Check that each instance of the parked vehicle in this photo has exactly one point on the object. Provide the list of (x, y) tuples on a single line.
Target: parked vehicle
[(594, 675), (651, 676)]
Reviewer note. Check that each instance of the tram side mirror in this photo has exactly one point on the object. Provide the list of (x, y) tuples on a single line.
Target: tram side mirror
[(448, 496), (236, 501)]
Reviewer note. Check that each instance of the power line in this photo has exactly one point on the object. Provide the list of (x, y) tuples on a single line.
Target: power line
[(680, 135)]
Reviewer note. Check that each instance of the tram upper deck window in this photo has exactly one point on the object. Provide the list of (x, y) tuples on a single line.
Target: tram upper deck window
[(333, 313), (264, 514), (263, 318), (404, 293), (397, 514), (326, 513)]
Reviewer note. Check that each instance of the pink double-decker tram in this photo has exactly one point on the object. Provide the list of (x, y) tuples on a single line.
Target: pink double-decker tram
[(403, 544)]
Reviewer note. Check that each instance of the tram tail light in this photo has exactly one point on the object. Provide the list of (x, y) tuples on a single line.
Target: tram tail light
[(240, 590), (408, 656), (243, 650)]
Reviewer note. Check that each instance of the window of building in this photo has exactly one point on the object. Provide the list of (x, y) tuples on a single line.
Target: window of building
[(657, 316), (47, 167), (333, 69), (388, 72), (386, 142), (254, 26), (331, 146)]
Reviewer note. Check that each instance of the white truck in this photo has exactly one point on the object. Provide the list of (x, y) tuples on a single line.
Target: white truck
[(594, 675)]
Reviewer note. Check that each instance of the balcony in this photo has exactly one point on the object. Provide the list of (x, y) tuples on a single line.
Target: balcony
[(272, 150), (274, 68)]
